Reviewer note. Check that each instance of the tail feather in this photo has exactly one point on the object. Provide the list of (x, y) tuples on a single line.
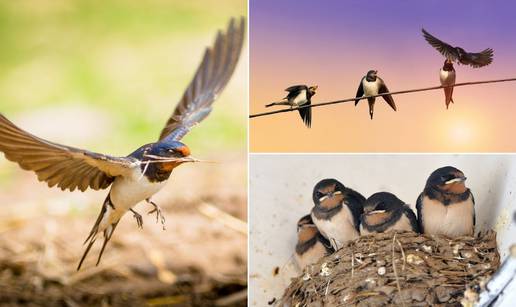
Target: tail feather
[(86, 253), (107, 236)]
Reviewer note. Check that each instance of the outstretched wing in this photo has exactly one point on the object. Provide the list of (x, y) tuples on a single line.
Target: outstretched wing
[(66, 167), (211, 77), (388, 98), (445, 49), (480, 59), (360, 92), (295, 90)]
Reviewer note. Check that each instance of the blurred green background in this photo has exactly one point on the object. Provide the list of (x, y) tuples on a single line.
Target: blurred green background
[(106, 75)]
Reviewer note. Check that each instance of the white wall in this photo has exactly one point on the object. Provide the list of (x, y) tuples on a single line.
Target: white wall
[(281, 189)]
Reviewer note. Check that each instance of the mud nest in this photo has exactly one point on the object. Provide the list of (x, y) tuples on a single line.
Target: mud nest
[(397, 269)]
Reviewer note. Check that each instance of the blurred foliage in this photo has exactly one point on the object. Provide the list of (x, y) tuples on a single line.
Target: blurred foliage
[(128, 60)]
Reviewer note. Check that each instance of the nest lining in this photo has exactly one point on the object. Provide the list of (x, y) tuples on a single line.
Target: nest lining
[(427, 270)]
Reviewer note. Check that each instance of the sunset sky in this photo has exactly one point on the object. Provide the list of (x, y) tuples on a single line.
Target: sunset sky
[(334, 43)]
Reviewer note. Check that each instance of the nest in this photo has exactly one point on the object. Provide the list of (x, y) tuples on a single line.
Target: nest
[(403, 269)]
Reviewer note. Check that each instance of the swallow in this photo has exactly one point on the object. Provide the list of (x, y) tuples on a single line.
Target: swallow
[(299, 95), (459, 55), (311, 245), (447, 77), (372, 85), (384, 212), (337, 211), (446, 206), (144, 172)]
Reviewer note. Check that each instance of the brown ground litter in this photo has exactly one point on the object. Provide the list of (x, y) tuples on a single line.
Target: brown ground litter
[(426, 270)]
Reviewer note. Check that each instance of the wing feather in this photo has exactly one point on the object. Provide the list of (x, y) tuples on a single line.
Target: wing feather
[(445, 49), (211, 77), (64, 166)]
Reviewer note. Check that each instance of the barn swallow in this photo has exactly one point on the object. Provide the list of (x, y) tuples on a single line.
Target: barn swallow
[(299, 95), (446, 206), (311, 245), (447, 77), (372, 85), (383, 212), (458, 54), (337, 211), (144, 172)]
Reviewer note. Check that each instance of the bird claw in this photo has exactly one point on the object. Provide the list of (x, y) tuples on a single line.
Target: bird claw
[(159, 214), (139, 219)]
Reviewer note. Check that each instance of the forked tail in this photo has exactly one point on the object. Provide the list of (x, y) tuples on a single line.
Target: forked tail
[(108, 232)]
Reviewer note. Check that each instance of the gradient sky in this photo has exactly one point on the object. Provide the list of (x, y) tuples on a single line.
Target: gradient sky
[(334, 43)]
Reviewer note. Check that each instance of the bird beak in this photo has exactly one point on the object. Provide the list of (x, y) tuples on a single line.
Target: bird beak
[(376, 71), (454, 180)]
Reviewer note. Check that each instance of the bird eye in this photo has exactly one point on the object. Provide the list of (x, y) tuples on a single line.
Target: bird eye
[(319, 194)]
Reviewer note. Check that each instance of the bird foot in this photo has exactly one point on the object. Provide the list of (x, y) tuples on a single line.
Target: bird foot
[(159, 213), (138, 217)]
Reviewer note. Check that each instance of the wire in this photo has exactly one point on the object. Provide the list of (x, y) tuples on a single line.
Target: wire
[(391, 93)]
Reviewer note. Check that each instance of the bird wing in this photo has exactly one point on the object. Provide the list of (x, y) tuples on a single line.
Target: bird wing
[(412, 218), (388, 98), (360, 91), (355, 203), (306, 114), (445, 49), (295, 90), (64, 166), (211, 77), (419, 209), (480, 59)]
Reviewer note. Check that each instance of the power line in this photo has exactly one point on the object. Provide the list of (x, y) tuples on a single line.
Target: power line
[(391, 93)]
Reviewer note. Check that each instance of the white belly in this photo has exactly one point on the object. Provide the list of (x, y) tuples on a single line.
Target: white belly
[(311, 256), (300, 99), (127, 192), (339, 229), (370, 88), (453, 220), (447, 77)]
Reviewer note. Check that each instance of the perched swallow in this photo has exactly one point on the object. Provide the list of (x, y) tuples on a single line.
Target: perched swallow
[(144, 172), (458, 54), (337, 211), (311, 245), (446, 206), (384, 212), (447, 77), (299, 95), (372, 85)]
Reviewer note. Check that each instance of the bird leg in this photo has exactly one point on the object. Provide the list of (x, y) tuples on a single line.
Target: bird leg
[(138, 217), (159, 213)]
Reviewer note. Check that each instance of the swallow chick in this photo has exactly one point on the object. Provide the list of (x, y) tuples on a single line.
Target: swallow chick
[(383, 212), (446, 206), (311, 245), (337, 211), (144, 172), (459, 55), (372, 85), (447, 77), (299, 95)]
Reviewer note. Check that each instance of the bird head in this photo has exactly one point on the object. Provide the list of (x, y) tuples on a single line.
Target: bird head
[(447, 179), (304, 222), (448, 65), (168, 155), (312, 89), (371, 75), (328, 193), (382, 202)]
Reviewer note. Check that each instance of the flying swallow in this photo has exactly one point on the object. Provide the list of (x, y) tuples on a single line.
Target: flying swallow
[(446, 206), (144, 172), (447, 77), (372, 85), (311, 245), (384, 212), (299, 95), (337, 211), (458, 54)]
